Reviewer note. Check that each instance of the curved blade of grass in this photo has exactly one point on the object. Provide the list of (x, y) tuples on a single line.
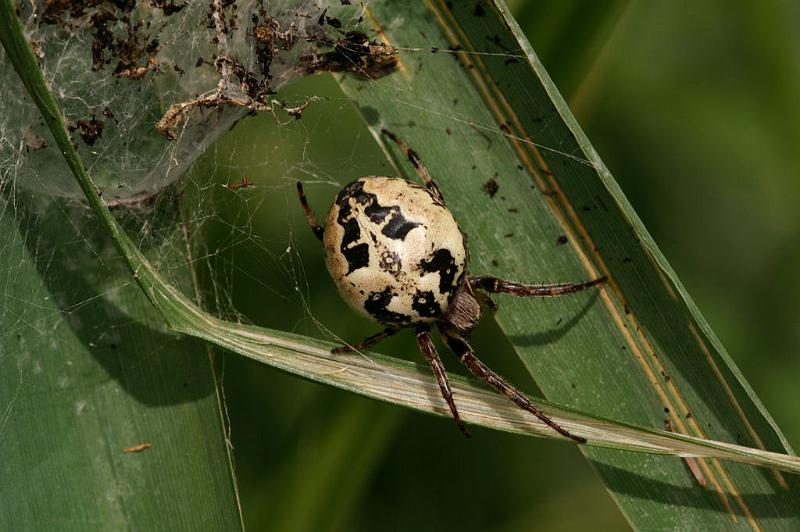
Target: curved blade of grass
[(371, 375), (485, 117), (101, 405)]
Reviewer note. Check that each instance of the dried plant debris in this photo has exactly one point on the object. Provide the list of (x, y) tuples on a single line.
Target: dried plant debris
[(33, 142), (167, 6), (168, 125), (118, 40), (247, 49), (269, 39), (90, 129), (355, 53)]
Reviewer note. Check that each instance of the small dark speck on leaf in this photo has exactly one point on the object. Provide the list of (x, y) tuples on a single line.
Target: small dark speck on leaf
[(495, 263), (562, 240), (434, 49), (448, 131), (666, 410), (491, 187), (508, 235), (513, 210), (627, 259), (370, 114), (688, 415), (479, 11)]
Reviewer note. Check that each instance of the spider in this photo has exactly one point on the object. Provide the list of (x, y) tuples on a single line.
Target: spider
[(398, 257)]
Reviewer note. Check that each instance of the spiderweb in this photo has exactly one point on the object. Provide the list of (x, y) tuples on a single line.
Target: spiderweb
[(149, 91), (145, 89), (148, 88)]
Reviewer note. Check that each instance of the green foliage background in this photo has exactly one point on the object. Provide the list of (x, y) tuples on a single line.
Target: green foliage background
[(693, 108)]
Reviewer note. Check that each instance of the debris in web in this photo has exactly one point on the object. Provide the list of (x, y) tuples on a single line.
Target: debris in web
[(147, 87), (354, 53)]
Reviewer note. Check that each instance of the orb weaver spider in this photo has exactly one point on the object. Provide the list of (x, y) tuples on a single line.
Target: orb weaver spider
[(398, 257)]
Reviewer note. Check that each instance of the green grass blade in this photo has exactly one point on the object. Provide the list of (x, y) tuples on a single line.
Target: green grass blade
[(641, 350), (613, 379), (88, 370), (376, 376)]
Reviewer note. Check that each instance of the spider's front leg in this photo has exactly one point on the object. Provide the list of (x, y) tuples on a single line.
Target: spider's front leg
[(466, 355), (496, 285), (310, 218), (432, 356), (414, 159)]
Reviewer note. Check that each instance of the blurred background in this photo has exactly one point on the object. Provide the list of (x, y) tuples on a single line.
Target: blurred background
[(694, 108)]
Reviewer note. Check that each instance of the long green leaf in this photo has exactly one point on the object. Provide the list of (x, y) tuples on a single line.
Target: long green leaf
[(408, 384), (109, 421), (375, 376), (482, 107)]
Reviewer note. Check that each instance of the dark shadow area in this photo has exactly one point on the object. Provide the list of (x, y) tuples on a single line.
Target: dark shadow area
[(761, 505), (556, 333)]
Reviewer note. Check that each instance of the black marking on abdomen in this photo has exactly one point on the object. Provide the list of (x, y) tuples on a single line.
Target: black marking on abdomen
[(425, 304), (357, 256), (398, 226), (443, 262), (376, 305)]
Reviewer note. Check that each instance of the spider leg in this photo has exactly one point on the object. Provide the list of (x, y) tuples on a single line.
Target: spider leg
[(312, 221), (464, 352), (430, 354), (369, 341), (495, 285), (430, 184)]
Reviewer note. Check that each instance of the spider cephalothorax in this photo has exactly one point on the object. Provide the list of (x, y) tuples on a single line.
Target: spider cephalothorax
[(398, 257)]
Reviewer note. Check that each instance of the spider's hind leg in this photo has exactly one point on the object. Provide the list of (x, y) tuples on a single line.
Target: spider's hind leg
[(430, 184), (465, 354), (432, 356), (495, 285), (310, 218)]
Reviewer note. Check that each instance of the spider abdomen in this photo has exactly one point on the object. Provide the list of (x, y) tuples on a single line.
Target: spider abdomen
[(395, 252)]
